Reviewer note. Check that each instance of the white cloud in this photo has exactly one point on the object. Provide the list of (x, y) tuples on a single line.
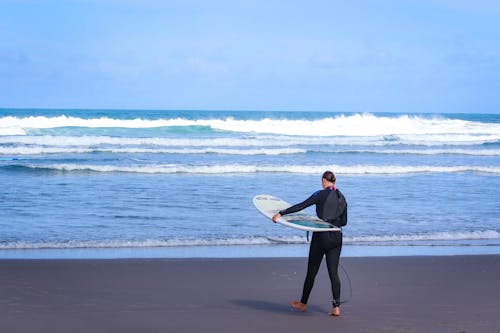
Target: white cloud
[(471, 57)]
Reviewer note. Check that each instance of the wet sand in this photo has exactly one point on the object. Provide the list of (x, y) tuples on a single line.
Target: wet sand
[(389, 294)]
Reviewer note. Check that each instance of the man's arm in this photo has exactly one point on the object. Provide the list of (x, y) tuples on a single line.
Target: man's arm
[(298, 207)]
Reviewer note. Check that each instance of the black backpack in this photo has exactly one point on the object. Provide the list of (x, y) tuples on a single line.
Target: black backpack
[(340, 217), (342, 209)]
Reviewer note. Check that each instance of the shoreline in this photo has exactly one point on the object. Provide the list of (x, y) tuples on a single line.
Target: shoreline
[(246, 251), (389, 294)]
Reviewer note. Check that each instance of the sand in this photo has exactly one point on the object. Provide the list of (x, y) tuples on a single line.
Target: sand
[(389, 294)]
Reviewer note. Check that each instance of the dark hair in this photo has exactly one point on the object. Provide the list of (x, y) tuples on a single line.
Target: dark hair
[(328, 175)]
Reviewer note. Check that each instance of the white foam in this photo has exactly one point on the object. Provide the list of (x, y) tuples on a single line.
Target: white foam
[(151, 243), (439, 236), (87, 141), (23, 150), (11, 131), (40, 150), (260, 141), (249, 168), (452, 151), (28, 147), (352, 125), (442, 237)]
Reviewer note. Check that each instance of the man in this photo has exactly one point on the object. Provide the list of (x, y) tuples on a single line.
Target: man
[(332, 208)]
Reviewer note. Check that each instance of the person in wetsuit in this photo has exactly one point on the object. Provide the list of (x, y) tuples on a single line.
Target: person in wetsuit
[(327, 243)]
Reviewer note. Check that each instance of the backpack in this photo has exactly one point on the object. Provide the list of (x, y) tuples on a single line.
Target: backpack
[(342, 209), (339, 218)]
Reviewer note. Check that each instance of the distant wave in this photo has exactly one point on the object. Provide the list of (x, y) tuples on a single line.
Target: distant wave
[(75, 244), (418, 239), (39, 150), (492, 143), (259, 140), (450, 151), (341, 125), (75, 150), (439, 236), (244, 168)]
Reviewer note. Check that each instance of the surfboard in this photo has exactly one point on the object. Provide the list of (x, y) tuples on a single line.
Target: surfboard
[(269, 205)]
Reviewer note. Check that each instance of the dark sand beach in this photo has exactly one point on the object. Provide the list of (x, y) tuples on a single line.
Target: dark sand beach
[(390, 294)]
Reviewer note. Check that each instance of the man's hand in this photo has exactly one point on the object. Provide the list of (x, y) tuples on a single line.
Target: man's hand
[(276, 217)]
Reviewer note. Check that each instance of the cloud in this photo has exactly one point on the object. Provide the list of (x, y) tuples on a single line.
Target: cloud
[(483, 6), (117, 70), (371, 58), (471, 57), (16, 57), (204, 66), (324, 61)]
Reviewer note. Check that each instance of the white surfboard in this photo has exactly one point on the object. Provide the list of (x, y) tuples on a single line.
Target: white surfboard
[(270, 205)]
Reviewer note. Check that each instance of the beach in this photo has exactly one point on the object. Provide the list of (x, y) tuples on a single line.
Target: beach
[(389, 294)]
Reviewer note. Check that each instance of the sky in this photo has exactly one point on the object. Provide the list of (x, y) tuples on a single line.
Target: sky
[(407, 56)]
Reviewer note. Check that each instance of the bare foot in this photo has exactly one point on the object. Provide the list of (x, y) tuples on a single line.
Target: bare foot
[(299, 306), (335, 312)]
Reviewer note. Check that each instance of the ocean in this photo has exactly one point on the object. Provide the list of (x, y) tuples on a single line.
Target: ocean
[(149, 183)]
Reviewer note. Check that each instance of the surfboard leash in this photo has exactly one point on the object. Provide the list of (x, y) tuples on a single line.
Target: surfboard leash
[(349, 283)]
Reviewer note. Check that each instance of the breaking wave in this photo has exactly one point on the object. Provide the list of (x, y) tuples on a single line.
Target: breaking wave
[(418, 239), (340, 125), (249, 169)]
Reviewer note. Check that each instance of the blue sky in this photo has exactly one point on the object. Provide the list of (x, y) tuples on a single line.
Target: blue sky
[(361, 56)]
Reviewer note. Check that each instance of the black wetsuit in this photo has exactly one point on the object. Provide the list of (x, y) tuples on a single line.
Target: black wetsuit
[(322, 243)]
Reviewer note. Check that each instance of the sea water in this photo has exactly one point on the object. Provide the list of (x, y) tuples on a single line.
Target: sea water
[(139, 183)]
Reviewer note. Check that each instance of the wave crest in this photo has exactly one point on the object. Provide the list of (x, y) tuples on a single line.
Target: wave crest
[(419, 239), (341, 125), (439, 236), (249, 169)]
